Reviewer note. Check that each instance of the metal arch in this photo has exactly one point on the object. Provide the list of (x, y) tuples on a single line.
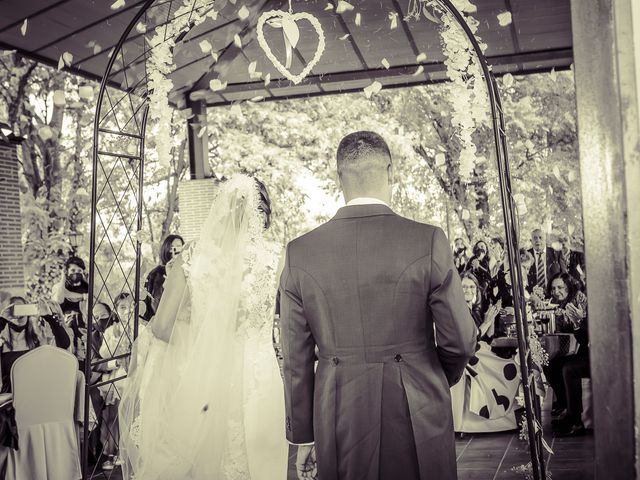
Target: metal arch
[(97, 130), (532, 404), (508, 205)]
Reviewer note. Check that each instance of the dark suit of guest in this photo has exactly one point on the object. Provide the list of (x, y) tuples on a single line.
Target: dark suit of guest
[(552, 266), (570, 263), (367, 288)]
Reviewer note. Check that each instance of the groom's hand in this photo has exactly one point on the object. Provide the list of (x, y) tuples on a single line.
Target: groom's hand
[(306, 466)]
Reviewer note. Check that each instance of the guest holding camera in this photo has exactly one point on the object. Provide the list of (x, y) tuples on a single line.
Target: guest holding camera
[(26, 327), (72, 293), (154, 285)]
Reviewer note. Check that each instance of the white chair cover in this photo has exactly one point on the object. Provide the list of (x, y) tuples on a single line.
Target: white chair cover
[(47, 397)]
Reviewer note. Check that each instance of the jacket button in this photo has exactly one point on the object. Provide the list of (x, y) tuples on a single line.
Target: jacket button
[(398, 358), (335, 360)]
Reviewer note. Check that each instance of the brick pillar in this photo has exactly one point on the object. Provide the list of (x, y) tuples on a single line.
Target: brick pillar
[(196, 197), (11, 254)]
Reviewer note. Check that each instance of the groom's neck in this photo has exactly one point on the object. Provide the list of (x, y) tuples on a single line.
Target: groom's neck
[(384, 196)]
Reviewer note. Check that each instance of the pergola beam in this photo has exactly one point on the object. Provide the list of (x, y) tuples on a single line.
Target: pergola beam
[(399, 76)]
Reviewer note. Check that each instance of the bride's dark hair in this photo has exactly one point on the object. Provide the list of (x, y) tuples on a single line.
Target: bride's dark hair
[(265, 202)]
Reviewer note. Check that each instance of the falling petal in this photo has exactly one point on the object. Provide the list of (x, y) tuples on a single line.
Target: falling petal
[(117, 4), (257, 98), (85, 92), (372, 89), (252, 67), (344, 7), (440, 159), (45, 133), (358, 19), (202, 131), (205, 46), (237, 41), (385, 63), (345, 36), (215, 56), (243, 13), (504, 19), (97, 49), (23, 28), (141, 27), (216, 85), (59, 99), (329, 6), (60, 63), (421, 58), (419, 70), (267, 79), (507, 80), (393, 18)]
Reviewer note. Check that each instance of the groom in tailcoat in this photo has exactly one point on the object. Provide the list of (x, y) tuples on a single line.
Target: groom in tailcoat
[(380, 298)]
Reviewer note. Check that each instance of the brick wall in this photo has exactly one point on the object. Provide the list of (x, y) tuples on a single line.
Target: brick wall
[(196, 197), (11, 257)]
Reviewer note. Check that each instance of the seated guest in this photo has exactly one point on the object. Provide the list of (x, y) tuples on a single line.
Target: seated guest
[(571, 317), (154, 285), (460, 255), (24, 331), (484, 400), (71, 293), (571, 261), (478, 264)]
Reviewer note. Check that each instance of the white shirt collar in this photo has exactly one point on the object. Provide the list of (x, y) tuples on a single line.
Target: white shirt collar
[(366, 201)]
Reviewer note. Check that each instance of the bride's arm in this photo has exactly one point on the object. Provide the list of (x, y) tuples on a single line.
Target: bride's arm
[(174, 288)]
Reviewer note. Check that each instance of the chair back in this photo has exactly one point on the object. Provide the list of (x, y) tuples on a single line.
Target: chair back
[(44, 383)]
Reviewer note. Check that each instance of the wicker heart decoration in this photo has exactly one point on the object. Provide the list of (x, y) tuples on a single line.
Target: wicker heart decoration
[(279, 18)]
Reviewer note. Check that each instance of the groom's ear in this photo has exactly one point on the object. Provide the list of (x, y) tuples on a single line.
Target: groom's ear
[(390, 173)]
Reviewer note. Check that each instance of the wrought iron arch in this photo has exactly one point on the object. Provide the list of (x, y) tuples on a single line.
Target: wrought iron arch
[(123, 115)]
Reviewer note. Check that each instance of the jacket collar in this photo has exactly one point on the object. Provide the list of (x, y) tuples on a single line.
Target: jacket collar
[(356, 211)]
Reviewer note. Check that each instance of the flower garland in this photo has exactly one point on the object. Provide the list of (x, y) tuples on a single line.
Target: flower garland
[(467, 88), (160, 64)]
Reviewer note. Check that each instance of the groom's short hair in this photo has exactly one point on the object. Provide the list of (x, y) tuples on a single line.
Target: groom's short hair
[(360, 150)]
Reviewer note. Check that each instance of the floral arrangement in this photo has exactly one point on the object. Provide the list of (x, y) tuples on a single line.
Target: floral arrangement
[(160, 63), (467, 88)]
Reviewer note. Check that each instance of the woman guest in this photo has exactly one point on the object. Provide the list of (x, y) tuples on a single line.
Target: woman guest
[(117, 340), (484, 400), (21, 334), (565, 372), (154, 285), (478, 264)]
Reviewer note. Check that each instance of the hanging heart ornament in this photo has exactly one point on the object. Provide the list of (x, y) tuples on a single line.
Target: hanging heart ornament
[(287, 21)]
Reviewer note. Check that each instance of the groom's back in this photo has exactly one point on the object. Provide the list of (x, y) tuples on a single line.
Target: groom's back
[(367, 281), (367, 288)]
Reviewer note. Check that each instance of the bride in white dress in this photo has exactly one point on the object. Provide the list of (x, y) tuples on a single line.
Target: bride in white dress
[(204, 397)]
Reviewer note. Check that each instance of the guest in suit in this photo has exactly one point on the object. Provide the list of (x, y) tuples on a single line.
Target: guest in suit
[(367, 288), (572, 261), (546, 263), (460, 254)]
